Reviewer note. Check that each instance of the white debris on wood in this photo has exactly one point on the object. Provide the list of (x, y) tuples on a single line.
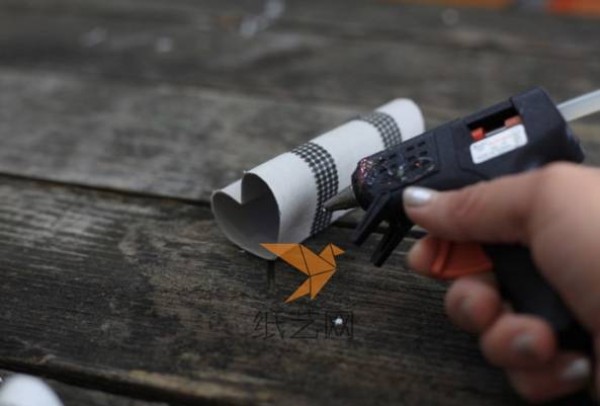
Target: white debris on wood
[(164, 45), (94, 37), (24, 390), (253, 24)]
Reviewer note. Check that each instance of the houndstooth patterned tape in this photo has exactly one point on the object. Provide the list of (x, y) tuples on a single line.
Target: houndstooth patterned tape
[(323, 167), (386, 125)]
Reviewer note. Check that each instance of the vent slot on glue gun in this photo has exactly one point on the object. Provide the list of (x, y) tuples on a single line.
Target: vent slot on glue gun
[(492, 122)]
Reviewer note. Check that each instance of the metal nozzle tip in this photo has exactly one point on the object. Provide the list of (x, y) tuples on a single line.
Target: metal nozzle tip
[(343, 200)]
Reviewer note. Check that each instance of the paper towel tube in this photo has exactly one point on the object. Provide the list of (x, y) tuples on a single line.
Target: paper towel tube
[(281, 200)]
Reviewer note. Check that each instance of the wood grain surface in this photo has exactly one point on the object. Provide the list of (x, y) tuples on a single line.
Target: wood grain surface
[(119, 117), (117, 112), (102, 287)]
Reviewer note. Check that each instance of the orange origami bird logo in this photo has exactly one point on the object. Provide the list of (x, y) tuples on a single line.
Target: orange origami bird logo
[(319, 268)]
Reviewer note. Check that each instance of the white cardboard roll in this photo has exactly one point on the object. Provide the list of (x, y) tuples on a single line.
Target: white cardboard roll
[(25, 390), (281, 200)]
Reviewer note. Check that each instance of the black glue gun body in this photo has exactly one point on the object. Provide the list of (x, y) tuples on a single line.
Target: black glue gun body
[(521, 134)]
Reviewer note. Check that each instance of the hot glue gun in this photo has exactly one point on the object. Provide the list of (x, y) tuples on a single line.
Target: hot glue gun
[(520, 134)]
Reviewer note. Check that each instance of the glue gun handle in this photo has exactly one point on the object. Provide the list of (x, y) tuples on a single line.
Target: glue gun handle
[(523, 286), (528, 292)]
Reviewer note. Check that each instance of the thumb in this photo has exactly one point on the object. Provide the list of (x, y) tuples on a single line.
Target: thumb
[(554, 211), (496, 211)]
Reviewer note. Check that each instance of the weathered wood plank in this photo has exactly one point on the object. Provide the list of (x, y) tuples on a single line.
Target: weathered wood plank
[(103, 288), (501, 31), (154, 139), (76, 396), (164, 140), (380, 52)]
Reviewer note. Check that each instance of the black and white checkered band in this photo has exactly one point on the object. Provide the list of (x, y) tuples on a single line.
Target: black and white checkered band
[(323, 167), (386, 125)]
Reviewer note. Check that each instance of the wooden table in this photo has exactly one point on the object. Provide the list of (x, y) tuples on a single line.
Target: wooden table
[(119, 117)]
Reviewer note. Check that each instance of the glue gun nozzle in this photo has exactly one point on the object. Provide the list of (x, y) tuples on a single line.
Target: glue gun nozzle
[(342, 201)]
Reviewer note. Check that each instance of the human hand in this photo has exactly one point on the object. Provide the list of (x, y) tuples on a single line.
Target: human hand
[(555, 211)]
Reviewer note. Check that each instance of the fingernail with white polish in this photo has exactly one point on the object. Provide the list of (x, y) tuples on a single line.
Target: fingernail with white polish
[(417, 196), (465, 314), (524, 345), (578, 370)]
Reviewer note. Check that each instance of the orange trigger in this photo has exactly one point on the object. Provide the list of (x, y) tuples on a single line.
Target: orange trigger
[(455, 259)]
